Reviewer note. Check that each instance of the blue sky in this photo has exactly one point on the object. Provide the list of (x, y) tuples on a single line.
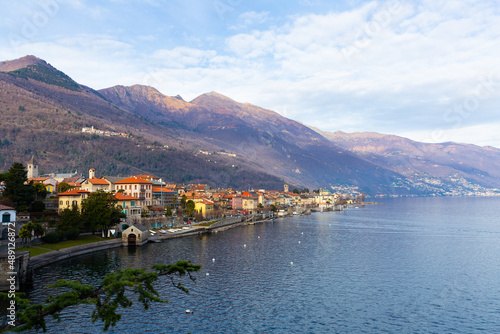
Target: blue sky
[(426, 70)]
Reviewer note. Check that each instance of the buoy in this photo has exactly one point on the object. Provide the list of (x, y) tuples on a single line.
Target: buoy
[(188, 312), (302, 233), (299, 242), (291, 263), (244, 245), (213, 260), (207, 274)]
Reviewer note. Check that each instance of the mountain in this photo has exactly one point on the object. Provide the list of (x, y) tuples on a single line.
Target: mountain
[(213, 139), (43, 117), (440, 168), (261, 139)]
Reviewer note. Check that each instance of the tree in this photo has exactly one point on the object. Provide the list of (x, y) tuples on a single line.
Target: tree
[(71, 219), (99, 211), (63, 186), (295, 191), (25, 233), (190, 207), (37, 206), (16, 189), (107, 297), (40, 191), (38, 229), (183, 201), (28, 230), (169, 211)]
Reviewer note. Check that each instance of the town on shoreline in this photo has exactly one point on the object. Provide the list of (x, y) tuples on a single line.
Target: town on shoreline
[(153, 203)]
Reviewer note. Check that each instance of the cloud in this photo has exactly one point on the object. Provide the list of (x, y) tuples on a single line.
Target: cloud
[(183, 57), (393, 67), (251, 18)]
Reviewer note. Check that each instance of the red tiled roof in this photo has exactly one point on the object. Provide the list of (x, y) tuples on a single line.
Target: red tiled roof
[(96, 181), (5, 207), (73, 192), (38, 179), (133, 180), (123, 197), (165, 189)]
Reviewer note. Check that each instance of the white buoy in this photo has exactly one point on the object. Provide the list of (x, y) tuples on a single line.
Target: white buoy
[(213, 260), (291, 263), (302, 233), (208, 274), (299, 242), (245, 245), (258, 237)]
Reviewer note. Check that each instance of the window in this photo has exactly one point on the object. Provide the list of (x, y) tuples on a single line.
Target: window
[(6, 217)]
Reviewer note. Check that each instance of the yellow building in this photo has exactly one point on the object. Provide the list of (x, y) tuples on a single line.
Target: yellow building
[(204, 206), (72, 197)]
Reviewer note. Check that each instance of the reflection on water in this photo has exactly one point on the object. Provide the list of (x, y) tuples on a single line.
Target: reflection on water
[(410, 265)]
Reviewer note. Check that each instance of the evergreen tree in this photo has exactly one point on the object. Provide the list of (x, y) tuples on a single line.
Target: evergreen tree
[(114, 291), (190, 207), (16, 189)]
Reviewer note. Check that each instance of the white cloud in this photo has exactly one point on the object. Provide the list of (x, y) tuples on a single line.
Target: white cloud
[(183, 57), (251, 18), (394, 67)]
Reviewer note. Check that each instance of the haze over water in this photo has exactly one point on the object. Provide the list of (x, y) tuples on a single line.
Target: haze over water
[(423, 265)]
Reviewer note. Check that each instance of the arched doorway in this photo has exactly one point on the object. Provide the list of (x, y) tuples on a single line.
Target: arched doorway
[(131, 239)]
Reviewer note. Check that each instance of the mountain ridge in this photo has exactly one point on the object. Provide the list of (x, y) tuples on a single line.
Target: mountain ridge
[(262, 145)]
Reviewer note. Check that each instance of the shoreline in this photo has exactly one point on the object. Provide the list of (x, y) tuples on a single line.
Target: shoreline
[(70, 252)]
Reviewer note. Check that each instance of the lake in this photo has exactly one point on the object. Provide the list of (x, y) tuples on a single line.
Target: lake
[(419, 265)]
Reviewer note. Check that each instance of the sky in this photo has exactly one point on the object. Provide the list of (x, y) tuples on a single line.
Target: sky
[(427, 70)]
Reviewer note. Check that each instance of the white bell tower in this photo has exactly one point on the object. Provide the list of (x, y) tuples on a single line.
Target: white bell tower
[(32, 168)]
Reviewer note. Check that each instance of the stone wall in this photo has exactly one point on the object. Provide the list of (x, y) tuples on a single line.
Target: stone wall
[(18, 275)]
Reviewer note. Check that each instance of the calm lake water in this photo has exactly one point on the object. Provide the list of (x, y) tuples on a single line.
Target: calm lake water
[(424, 265)]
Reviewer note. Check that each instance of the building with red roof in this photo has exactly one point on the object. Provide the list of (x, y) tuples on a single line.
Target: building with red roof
[(130, 204), (94, 184), (72, 197), (137, 187)]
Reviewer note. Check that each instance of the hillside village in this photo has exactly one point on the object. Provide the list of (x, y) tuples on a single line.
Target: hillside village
[(153, 203)]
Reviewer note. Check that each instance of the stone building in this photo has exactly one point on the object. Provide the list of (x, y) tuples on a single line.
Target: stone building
[(135, 235)]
